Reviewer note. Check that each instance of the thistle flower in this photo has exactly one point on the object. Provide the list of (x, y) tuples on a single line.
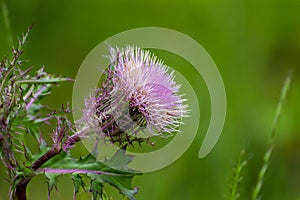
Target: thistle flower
[(139, 94)]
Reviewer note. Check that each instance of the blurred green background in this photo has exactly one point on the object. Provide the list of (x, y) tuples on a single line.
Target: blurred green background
[(254, 44)]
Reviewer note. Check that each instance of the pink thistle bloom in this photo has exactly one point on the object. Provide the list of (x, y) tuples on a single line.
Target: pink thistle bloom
[(139, 94)]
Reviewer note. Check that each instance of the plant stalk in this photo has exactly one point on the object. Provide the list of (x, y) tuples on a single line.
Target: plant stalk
[(20, 190)]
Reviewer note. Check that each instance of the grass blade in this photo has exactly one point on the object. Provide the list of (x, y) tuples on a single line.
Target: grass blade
[(268, 153)]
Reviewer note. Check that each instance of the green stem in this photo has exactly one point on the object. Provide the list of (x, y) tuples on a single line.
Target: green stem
[(268, 153), (234, 194), (20, 191)]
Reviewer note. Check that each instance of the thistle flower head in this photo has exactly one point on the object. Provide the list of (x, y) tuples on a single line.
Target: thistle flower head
[(138, 94)]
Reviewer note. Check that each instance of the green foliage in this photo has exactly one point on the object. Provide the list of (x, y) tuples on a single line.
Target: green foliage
[(96, 172), (237, 176), (22, 112)]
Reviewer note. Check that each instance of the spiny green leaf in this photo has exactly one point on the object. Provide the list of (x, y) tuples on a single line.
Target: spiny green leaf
[(77, 182), (120, 161), (52, 182), (87, 163), (122, 183), (57, 159), (97, 172), (96, 188)]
